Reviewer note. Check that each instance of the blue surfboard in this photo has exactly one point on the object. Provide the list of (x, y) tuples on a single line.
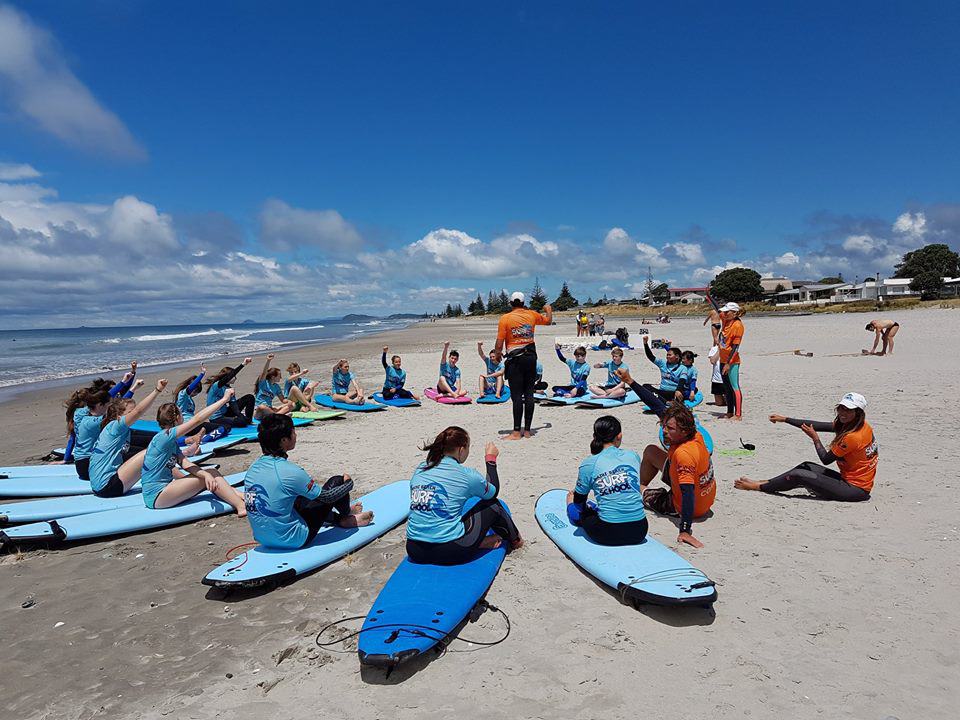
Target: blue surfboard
[(421, 605), (647, 573), (707, 438), (120, 520), (390, 505), (395, 402), (327, 401), (492, 399), (629, 399), (242, 434), (551, 400)]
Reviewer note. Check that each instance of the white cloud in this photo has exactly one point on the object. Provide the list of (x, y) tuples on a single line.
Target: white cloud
[(37, 84), (788, 258), (286, 229), (618, 244), (17, 171), (685, 253), (704, 274), (914, 225)]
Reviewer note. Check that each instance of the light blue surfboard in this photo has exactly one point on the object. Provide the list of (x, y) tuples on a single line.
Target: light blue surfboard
[(327, 401), (550, 400), (629, 399), (120, 520), (395, 402), (492, 399), (390, 505), (646, 573), (243, 434), (420, 606)]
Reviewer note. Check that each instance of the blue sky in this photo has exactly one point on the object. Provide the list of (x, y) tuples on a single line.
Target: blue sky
[(311, 159)]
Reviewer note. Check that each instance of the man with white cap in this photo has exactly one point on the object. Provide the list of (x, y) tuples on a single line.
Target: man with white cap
[(515, 335), (854, 449)]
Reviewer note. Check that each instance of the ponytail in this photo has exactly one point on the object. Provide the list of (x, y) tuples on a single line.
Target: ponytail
[(453, 438), (605, 430)]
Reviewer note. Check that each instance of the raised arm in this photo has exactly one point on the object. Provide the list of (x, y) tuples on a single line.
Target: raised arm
[(713, 302), (646, 348), (383, 358), (228, 378), (560, 353), (204, 415), (196, 381), (266, 367), (443, 358), (121, 388), (141, 407), (547, 314), (818, 425), (480, 350)]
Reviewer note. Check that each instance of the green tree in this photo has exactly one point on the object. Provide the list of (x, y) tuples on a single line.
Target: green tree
[(476, 306), (538, 298), (565, 300), (779, 288), (929, 283), (449, 311), (491, 302), (589, 302), (661, 293), (458, 311), (938, 258), (737, 285), (503, 302), (832, 280)]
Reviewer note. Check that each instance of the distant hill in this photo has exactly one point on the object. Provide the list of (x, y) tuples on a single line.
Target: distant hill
[(405, 316), (358, 318)]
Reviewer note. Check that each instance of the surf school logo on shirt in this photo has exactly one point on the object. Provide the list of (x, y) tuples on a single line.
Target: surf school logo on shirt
[(706, 480), (522, 332), (255, 500), (622, 478), (430, 498)]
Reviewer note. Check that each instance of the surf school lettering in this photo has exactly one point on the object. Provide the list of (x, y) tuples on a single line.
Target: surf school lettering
[(556, 522), (621, 479), (705, 481), (522, 332)]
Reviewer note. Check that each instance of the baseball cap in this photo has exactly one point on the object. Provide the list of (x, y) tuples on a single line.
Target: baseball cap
[(854, 401), (517, 296), (730, 307)]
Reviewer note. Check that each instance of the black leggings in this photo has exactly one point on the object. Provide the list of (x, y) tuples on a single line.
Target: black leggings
[(521, 374), (239, 413), (485, 515), (391, 393), (608, 533), (83, 468), (821, 481), (315, 512)]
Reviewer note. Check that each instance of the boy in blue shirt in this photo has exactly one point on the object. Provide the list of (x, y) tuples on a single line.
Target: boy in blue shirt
[(672, 373), (395, 379), (579, 370), (449, 384), (491, 382), (613, 388), (285, 506)]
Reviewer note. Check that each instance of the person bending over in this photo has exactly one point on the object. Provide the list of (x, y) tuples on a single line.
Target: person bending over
[(285, 506), (885, 331), (396, 378), (579, 370), (613, 475), (236, 413), (614, 387), (439, 532), (854, 449), (449, 383), (491, 382), (344, 386)]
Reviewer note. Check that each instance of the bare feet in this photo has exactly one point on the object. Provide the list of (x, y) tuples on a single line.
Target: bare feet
[(746, 483), (364, 518), (242, 511), (515, 435), (356, 508), (516, 544), (527, 434), (490, 542)]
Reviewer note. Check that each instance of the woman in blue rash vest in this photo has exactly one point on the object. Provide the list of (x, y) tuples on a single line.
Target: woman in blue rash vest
[(579, 370), (672, 373), (491, 381), (449, 383), (613, 475), (285, 506), (160, 488), (237, 413), (186, 391), (107, 458), (299, 389), (613, 388), (267, 390), (438, 530), (344, 386), (77, 407), (395, 378), (688, 374)]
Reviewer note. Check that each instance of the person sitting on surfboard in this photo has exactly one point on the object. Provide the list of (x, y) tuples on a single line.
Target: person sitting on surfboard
[(236, 413), (187, 390), (300, 390), (267, 388), (439, 532), (854, 449), (345, 387), (285, 506), (395, 379), (613, 475), (449, 385), (579, 370), (672, 373), (160, 488), (614, 387), (491, 382)]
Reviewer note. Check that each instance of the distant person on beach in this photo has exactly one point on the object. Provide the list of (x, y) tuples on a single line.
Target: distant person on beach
[(582, 323), (164, 453), (395, 379), (344, 386), (268, 390), (491, 382), (854, 449), (450, 384), (515, 339), (592, 325), (579, 370), (613, 475), (439, 532), (713, 317), (613, 387), (885, 331), (236, 413), (285, 506), (601, 324), (299, 389)]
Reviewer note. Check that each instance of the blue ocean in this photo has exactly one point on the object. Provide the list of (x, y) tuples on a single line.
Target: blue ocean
[(30, 356)]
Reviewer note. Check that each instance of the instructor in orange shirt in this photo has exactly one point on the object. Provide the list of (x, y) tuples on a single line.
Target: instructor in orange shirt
[(515, 340)]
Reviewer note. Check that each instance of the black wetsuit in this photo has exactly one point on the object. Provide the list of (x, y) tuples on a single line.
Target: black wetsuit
[(520, 371)]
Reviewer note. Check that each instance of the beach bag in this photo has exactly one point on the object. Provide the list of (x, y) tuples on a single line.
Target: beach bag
[(623, 336)]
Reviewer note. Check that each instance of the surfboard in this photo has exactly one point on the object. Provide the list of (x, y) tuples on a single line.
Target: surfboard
[(31, 511), (421, 605), (260, 566), (707, 438), (446, 400), (629, 399), (54, 486), (551, 400), (329, 402), (395, 402), (318, 414), (205, 448), (647, 573), (120, 520), (243, 434), (492, 399)]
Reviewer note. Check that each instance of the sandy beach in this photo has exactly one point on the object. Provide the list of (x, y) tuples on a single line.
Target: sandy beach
[(825, 610)]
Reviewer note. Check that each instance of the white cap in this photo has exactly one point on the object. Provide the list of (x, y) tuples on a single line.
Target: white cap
[(517, 296), (730, 307), (854, 401)]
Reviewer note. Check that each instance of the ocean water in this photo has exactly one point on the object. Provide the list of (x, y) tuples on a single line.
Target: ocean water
[(30, 356)]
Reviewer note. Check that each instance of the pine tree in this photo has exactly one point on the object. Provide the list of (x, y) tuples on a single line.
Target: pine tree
[(479, 303), (458, 310), (565, 300), (449, 311), (649, 286), (503, 302), (538, 298), (491, 302)]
